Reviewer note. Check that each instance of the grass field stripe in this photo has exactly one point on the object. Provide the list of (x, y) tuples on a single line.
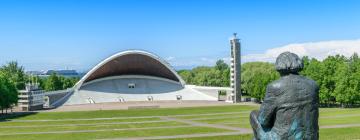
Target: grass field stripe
[(92, 124), (142, 117), (340, 116), (101, 130), (178, 136), (215, 118), (341, 126), (218, 126)]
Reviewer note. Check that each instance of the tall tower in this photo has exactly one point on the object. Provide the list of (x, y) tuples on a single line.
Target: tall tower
[(235, 68)]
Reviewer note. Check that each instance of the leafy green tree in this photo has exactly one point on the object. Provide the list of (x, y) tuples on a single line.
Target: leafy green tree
[(342, 91), (201, 76), (312, 69), (41, 81), (68, 82), (223, 73), (347, 82), (15, 73), (338, 78), (256, 76), (214, 77), (328, 83), (53, 82), (8, 92), (218, 75), (187, 76), (57, 82), (225, 78), (354, 83), (221, 65)]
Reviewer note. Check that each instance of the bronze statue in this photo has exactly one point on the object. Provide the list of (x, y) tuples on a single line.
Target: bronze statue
[(290, 109)]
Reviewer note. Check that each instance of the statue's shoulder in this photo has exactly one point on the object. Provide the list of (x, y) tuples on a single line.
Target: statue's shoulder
[(275, 84), (284, 81), (309, 81), (272, 89)]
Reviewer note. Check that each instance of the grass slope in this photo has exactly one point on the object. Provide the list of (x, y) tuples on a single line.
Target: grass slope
[(124, 124)]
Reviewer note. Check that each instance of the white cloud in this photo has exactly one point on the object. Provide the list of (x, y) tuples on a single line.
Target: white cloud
[(318, 50), (170, 58), (191, 62), (207, 60), (226, 60)]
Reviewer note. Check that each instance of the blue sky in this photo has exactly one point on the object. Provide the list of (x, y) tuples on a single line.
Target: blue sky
[(77, 34)]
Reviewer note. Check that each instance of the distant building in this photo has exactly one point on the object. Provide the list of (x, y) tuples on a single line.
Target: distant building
[(62, 72), (32, 98), (34, 72), (66, 73), (235, 69)]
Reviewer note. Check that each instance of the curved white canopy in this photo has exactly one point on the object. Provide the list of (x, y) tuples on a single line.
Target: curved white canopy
[(131, 62)]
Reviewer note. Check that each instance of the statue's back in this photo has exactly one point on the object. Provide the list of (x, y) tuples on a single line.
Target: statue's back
[(297, 108), (290, 109)]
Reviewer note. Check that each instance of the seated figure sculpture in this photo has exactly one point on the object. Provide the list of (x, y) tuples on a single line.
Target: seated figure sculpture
[(290, 107)]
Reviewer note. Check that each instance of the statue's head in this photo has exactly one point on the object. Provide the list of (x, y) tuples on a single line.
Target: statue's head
[(288, 63)]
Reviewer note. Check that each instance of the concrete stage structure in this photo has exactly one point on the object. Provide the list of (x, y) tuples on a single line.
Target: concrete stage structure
[(133, 75)]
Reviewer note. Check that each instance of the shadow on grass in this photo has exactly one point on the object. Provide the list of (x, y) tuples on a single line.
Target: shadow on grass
[(15, 115)]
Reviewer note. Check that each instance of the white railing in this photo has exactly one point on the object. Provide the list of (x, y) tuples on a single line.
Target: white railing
[(59, 91)]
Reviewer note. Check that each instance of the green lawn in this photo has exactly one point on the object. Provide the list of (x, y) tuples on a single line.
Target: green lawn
[(46, 123), (134, 113), (149, 122), (114, 134), (45, 128), (325, 134), (230, 137)]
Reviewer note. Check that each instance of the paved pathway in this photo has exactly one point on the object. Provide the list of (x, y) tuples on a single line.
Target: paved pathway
[(341, 126), (219, 126), (324, 127), (141, 117), (89, 124), (215, 118), (126, 105), (341, 116), (90, 119), (99, 130), (179, 136)]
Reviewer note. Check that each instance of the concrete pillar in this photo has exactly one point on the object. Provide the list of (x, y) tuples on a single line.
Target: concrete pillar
[(235, 68)]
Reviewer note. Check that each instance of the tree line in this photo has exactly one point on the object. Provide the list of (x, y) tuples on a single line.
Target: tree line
[(255, 76), (208, 76), (338, 78), (13, 78), (57, 82)]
